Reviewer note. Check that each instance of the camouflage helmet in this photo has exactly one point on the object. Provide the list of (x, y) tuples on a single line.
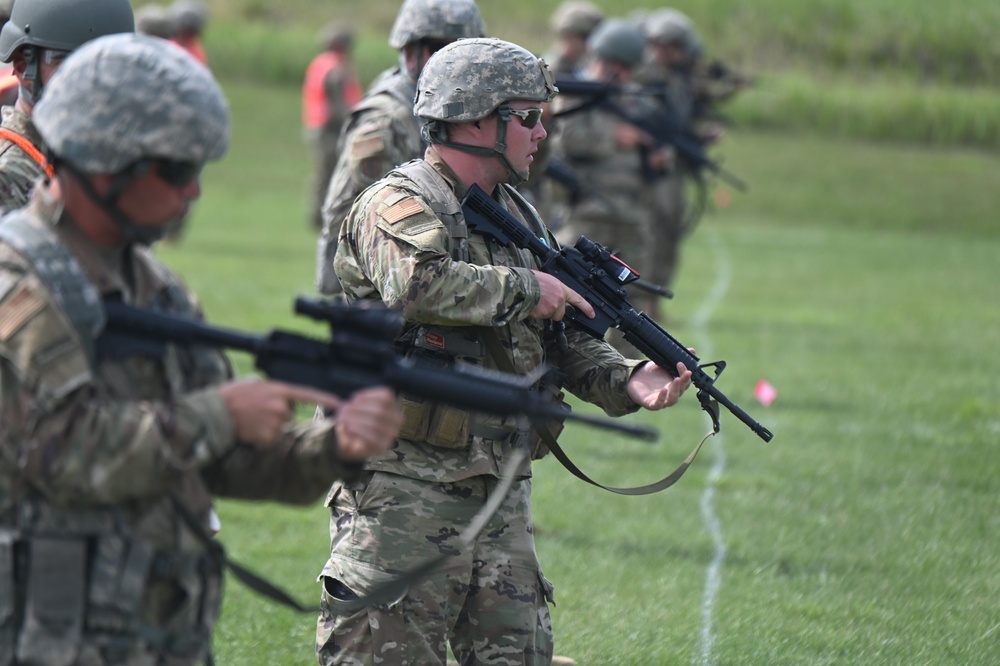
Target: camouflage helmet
[(442, 20), (669, 26), (189, 15), (123, 98), (62, 24), (468, 79), (576, 17), (619, 41), (155, 20)]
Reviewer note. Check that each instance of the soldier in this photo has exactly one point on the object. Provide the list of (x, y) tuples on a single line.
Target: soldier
[(329, 90), (406, 243), (190, 17), (382, 131), (613, 160), (37, 38), (109, 462), (572, 22)]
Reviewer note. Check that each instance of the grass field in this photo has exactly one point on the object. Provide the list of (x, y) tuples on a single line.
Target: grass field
[(861, 280)]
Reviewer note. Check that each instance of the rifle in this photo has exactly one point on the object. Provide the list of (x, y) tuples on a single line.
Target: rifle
[(665, 128), (360, 353), (600, 277)]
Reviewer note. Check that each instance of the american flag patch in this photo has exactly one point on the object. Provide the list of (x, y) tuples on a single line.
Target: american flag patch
[(402, 210), (17, 310)]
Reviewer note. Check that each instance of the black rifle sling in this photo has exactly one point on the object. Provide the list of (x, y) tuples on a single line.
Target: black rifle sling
[(496, 350)]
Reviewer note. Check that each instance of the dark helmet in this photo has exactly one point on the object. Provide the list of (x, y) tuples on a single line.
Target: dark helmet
[(62, 24), (619, 41)]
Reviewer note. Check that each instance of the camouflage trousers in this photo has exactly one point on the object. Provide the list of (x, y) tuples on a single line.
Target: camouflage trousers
[(489, 601)]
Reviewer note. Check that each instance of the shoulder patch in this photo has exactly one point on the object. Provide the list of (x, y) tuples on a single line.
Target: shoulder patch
[(17, 310), (400, 211), (367, 147)]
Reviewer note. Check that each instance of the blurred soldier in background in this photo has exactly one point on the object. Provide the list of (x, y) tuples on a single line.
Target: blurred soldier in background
[(108, 462), (612, 159), (8, 79), (406, 243), (382, 131), (190, 17), (36, 39), (156, 21), (572, 23), (329, 91), (692, 91)]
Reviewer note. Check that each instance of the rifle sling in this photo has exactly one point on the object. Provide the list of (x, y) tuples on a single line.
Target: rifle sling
[(496, 350), (381, 593)]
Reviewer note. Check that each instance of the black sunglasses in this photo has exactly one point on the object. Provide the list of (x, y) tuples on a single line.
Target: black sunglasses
[(177, 174), (529, 117)]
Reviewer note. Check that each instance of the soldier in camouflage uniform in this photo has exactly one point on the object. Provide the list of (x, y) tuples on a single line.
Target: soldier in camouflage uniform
[(572, 22), (108, 462), (37, 38), (613, 160), (382, 131), (405, 243)]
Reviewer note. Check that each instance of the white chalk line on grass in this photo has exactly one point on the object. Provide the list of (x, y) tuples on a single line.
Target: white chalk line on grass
[(703, 345)]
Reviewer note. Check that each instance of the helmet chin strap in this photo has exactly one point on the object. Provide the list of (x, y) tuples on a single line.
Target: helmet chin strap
[(133, 233), (499, 149), (30, 87)]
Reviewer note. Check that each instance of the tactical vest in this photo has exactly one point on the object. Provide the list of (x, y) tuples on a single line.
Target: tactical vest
[(72, 580), (437, 424)]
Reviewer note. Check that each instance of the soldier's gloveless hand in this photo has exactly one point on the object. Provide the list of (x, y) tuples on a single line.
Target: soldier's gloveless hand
[(260, 408)]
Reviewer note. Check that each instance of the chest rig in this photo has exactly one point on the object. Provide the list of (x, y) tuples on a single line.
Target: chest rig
[(441, 425), (73, 579)]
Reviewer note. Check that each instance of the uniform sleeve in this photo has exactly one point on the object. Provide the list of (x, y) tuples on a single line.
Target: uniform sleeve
[(72, 441), (398, 250), (299, 469), (597, 373)]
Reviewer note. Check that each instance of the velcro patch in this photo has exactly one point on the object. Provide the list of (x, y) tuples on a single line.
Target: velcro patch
[(365, 148), (402, 210), (18, 309)]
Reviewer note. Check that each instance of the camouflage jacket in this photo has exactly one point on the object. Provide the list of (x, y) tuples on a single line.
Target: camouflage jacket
[(394, 248), (18, 170), (587, 142), (381, 133), (121, 456)]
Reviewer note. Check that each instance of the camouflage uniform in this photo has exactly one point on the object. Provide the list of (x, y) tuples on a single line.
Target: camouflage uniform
[(109, 463), (18, 170), (396, 249), (382, 131), (405, 243), (615, 184)]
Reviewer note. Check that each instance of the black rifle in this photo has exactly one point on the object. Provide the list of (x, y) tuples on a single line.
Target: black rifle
[(665, 127), (360, 353), (593, 272)]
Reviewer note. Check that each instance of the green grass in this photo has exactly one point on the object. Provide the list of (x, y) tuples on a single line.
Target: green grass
[(860, 279)]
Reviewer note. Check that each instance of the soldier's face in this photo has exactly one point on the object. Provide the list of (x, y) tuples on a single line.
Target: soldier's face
[(522, 141), (157, 197)]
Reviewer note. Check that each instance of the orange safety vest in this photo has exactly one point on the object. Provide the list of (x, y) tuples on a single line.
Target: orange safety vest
[(29, 148), (315, 106)]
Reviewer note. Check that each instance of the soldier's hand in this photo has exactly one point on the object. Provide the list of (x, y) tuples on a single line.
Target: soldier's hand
[(555, 297), (652, 387), (368, 423), (260, 408)]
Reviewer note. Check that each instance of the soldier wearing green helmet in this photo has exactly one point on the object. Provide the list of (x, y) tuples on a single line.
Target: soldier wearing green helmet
[(572, 23), (382, 130), (36, 39), (109, 459), (467, 297)]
